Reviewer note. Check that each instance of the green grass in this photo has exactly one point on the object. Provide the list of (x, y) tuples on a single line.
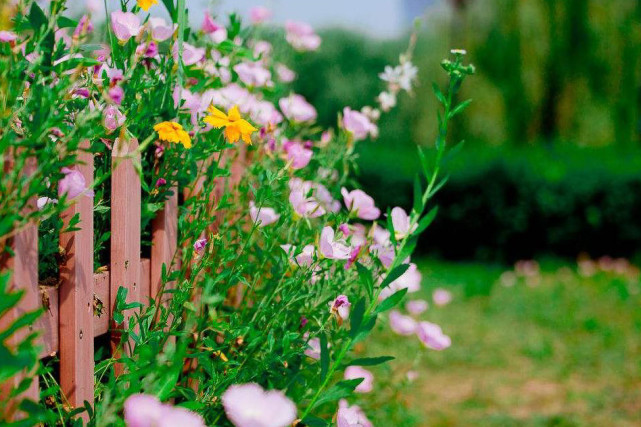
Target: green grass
[(557, 349)]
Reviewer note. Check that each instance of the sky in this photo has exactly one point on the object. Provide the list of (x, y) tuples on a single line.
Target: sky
[(376, 18)]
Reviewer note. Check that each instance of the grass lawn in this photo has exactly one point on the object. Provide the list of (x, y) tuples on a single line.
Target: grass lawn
[(555, 348)]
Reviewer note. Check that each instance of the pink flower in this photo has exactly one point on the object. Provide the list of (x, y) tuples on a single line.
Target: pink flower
[(432, 336), (259, 14), (160, 30), (331, 248), (314, 348), (264, 113), (301, 36), (160, 182), (360, 204), (8, 36), (263, 216), (44, 201), (114, 74), (358, 124), (353, 256), (176, 416), (262, 48), (148, 50), (84, 27), (200, 244), (248, 405), (116, 94), (303, 204), (217, 32), (113, 118), (311, 199), (142, 410), (410, 280), (125, 25), (441, 296), (353, 372), (351, 416), (191, 54), (340, 307), (297, 109), (297, 154), (304, 259), (253, 74), (401, 223), (416, 307), (401, 324), (285, 75)]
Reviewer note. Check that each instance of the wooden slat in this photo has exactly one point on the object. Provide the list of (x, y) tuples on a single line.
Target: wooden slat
[(164, 241), (76, 296), (24, 265), (125, 229), (48, 323)]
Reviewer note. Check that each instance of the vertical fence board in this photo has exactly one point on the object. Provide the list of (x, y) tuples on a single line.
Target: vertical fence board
[(76, 296), (125, 230), (24, 267), (164, 241)]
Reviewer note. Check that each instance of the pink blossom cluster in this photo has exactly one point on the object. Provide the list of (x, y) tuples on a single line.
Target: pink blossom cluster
[(143, 410)]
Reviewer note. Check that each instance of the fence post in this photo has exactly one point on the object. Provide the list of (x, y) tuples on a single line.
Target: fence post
[(164, 241), (76, 295), (125, 231), (24, 264)]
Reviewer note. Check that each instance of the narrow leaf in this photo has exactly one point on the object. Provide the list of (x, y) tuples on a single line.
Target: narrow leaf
[(391, 301)]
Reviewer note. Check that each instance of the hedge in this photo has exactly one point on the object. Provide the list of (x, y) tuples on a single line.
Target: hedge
[(509, 204)]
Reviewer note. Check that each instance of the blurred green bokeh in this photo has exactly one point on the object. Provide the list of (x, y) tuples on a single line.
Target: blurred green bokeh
[(552, 160)]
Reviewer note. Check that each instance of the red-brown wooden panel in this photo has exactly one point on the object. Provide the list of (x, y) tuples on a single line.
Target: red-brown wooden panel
[(164, 241), (76, 295), (24, 265), (125, 229), (48, 323)]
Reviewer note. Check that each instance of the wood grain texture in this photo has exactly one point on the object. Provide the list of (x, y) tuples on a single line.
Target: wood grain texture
[(164, 241), (24, 265), (48, 323), (76, 293), (125, 232)]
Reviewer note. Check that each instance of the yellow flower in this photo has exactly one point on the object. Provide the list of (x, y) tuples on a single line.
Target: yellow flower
[(146, 4), (173, 132), (235, 126)]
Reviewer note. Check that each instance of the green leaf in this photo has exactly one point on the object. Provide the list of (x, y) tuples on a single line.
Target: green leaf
[(64, 22), (169, 4), (459, 108), (439, 94), (424, 162), (167, 383), (366, 278), (418, 195), (340, 390), (370, 361), (313, 421), (324, 356), (426, 220), (408, 249), (365, 328), (391, 301), (394, 274), (356, 319), (37, 17)]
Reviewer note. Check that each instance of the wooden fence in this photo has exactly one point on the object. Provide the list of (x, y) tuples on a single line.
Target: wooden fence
[(69, 325)]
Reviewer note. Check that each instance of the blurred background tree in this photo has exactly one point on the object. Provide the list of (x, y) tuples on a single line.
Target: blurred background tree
[(552, 161)]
